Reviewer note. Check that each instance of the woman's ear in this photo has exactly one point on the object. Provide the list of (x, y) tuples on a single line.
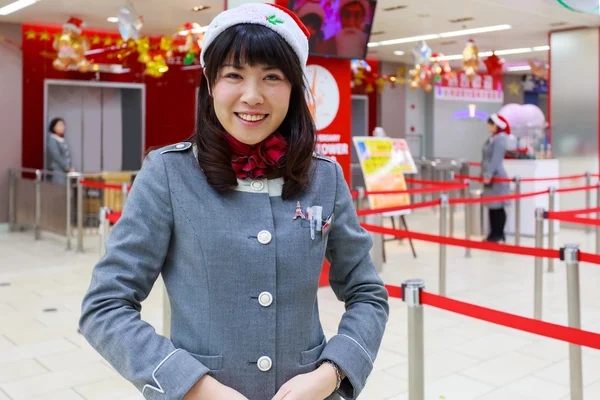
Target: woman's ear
[(207, 82)]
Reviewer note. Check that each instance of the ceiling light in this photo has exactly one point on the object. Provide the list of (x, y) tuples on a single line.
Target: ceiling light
[(440, 35), (476, 31), (498, 53), (16, 6), (399, 53), (519, 68), (200, 8), (513, 51), (541, 48), (112, 19)]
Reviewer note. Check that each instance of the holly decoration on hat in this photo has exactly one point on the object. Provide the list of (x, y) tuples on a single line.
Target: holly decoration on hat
[(274, 20)]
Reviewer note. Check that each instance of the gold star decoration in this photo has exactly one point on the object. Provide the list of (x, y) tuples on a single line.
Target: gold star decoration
[(44, 36), (514, 88), (108, 41), (30, 34), (119, 42), (96, 40)]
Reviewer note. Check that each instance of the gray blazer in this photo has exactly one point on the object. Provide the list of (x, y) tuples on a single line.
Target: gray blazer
[(59, 158), (242, 275), (492, 166)]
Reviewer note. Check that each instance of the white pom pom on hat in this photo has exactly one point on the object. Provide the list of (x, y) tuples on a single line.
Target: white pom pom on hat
[(279, 19)]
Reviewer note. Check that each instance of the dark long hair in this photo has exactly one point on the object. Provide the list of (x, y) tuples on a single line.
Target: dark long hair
[(254, 45), (53, 124)]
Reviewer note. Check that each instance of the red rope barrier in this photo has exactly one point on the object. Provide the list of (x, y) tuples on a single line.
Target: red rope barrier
[(496, 247), (576, 189), (394, 291), (113, 217), (496, 199), (100, 185), (364, 212), (566, 334), (577, 212), (433, 183), (480, 179), (444, 188), (474, 164), (589, 258), (573, 219), (558, 178)]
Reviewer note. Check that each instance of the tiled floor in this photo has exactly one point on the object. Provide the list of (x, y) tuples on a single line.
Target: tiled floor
[(43, 357)]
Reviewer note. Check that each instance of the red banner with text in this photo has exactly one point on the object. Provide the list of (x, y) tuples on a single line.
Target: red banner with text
[(482, 88)]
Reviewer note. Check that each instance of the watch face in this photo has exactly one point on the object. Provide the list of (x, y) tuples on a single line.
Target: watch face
[(325, 100)]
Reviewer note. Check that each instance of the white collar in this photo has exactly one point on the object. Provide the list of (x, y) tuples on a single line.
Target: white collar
[(274, 187), (60, 139)]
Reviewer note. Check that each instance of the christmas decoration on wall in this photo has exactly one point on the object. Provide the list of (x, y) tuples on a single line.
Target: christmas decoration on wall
[(440, 67), (421, 78), (189, 40), (364, 77), (539, 69), (422, 53), (470, 60), (494, 64), (130, 22), (71, 47)]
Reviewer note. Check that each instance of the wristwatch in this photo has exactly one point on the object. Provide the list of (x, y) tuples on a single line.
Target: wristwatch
[(338, 372)]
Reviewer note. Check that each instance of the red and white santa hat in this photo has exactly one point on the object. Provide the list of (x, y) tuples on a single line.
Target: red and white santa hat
[(501, 123), (277, 18), (75, 24)]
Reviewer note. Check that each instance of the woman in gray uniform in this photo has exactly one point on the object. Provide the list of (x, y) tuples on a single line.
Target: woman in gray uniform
[(492, 167), (59, 156), (238, 222)]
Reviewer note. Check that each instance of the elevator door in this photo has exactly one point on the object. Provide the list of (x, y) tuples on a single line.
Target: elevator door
[(100, 134)]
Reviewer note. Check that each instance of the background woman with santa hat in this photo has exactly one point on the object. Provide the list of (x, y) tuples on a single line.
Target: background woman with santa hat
[(492, 167)]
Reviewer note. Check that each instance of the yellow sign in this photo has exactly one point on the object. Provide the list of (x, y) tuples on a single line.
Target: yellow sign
[(384, 162)]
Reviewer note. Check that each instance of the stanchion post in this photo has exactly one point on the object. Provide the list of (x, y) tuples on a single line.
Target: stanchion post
[(411, 294), (451, 207), (570, 254), (79, 214), (38, 204), (551, 205), (104, 226), (12, 211), (598, 217), (443, 233), (468, 217), (69, 209), (359, 199), (124, 193), (588, 196), (539, 271), (517, 211)]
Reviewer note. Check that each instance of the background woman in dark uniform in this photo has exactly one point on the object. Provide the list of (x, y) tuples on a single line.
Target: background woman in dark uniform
[(492, 167)]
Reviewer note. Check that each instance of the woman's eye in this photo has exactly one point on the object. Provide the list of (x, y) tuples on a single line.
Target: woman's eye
[(233, 76), (273, 78)]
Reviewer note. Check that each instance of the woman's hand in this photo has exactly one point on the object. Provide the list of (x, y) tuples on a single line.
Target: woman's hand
[(208, 388), (316, 385)]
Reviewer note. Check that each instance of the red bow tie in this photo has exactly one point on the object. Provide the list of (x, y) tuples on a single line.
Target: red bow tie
[(255, 161)]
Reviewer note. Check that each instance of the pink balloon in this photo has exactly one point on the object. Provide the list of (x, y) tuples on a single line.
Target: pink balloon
[(532, 116), (512, 113)]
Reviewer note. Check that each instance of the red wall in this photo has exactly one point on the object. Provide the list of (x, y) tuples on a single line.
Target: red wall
[(170, 100)]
